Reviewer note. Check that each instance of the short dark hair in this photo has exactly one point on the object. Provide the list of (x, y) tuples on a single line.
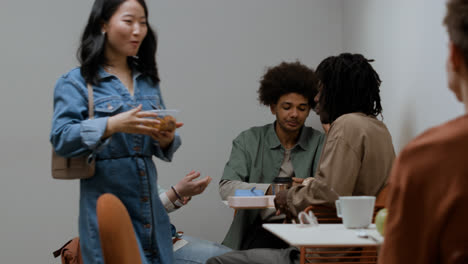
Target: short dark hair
[(456, 21), (349, 84), (91, 51), (287, 78)]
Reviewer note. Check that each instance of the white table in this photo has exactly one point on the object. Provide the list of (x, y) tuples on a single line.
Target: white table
[(323, 235), (326, 236)]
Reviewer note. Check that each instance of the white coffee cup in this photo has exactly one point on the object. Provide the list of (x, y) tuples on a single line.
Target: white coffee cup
[(356, 211)]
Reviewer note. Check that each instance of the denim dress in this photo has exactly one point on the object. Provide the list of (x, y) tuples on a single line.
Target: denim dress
[(124, 165)]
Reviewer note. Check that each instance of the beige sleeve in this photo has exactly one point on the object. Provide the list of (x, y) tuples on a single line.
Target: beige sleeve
[(336, 176), (168, 205)]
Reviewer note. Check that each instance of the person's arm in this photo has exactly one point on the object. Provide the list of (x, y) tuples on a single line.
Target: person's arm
[(72, 133), (336, 175), (236, 173), (167, 153), (182, 192), (168, 199), (134, 121), (165, 143)]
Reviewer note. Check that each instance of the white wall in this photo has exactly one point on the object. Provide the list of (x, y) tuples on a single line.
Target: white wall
[(409, 43), (211, 56)]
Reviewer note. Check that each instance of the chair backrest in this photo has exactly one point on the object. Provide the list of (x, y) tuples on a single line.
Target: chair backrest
[(118, 240), (332, 255), (324, 214)]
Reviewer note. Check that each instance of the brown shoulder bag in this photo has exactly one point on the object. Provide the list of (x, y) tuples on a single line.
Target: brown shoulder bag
[(79, 167), (70, 253)]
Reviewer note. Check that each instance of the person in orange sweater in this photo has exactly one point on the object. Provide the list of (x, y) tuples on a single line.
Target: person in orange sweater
[(428, 196)]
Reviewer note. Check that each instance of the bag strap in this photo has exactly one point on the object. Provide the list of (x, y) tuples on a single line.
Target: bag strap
[(90, 101)]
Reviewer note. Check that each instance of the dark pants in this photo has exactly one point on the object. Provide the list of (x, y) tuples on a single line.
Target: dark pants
[(258, 237), (258, 256)]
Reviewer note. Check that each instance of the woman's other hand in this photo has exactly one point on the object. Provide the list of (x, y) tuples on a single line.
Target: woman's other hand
[(188, 186), (165, 138), (133, 121)]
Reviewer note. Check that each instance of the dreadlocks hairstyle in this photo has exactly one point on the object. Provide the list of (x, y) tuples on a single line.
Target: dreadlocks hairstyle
[(287, 78), (456, 22), (349, 84)]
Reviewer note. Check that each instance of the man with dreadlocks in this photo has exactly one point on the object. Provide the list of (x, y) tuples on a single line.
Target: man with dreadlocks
[(357, 154)]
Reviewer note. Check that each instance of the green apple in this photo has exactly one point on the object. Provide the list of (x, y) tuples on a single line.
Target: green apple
[(380, 219)]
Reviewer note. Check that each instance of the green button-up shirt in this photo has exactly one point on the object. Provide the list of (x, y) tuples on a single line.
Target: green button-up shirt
[(256, 157)]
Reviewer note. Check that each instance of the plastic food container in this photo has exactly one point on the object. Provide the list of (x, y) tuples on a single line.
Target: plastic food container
[(167, 118), (166, 112), (251, 202), (250, 192)]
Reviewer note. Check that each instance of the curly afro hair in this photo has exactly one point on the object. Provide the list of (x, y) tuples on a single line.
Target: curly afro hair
[(287, 78)]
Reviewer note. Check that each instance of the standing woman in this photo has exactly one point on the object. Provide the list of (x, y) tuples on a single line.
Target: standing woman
[(117, 56)]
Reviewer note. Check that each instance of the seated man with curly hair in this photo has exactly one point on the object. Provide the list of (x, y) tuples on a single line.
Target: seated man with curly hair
[(284, 148)]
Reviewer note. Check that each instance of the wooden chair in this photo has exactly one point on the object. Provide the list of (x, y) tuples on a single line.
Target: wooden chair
[(332, 255), (118, 240), (116, 233)]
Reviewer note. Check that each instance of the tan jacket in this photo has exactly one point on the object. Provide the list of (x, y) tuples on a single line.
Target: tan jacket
[(356, 160)]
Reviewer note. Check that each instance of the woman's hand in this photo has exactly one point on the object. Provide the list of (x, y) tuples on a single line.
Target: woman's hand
[(188, 186), (133, 121), (165, 138)]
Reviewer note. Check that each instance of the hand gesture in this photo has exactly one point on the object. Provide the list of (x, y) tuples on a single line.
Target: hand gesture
[(133, 121), (297, 181), (165, 137), (188, 186), (281, 205)]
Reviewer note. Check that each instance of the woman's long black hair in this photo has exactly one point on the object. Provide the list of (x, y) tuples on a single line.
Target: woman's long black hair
[(91, 51), (349, 84)]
